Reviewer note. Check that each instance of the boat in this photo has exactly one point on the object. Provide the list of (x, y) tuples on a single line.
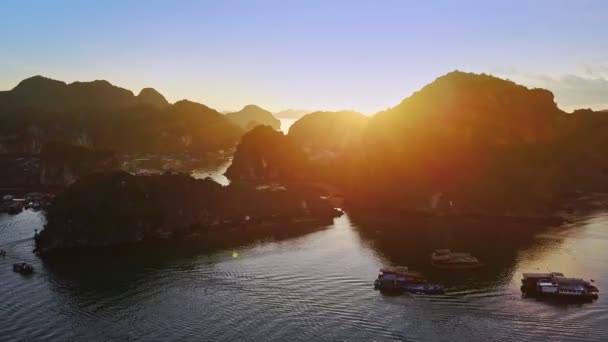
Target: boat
[(556, 285), (34, 206), (2, 253), (23, 268), (400, 279), (446, 259), (15, 208), (404, 271)]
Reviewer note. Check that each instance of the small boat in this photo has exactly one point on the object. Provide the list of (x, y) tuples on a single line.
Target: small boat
[(33, 206), (400, 279), (23, 268), (403, 271), (15, 208), (556, 285), (446, 259), (2, 253), (424, 288)]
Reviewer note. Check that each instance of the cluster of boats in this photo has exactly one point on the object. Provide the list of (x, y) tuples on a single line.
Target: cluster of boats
[(401, 279), (554, 285), (34, 201)]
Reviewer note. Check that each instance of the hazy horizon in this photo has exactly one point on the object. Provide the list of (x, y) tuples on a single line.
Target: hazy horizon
[(314, 55)]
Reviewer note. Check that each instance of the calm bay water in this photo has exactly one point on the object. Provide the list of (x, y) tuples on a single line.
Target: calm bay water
[(313, 287), (215, 171), (286, 123)]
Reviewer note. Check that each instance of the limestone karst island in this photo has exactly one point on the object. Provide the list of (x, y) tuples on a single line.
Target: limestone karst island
[(304, 171)]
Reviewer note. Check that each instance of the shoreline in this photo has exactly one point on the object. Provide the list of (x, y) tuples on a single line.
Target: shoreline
[(234, 234)]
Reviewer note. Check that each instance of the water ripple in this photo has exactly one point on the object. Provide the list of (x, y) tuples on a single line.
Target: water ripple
[(317, 287)]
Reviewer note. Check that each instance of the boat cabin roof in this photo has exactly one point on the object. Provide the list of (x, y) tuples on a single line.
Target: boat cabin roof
[(391, 277), (400, 270), (546, 284), (543, 275), (396, 269), (569, 281)]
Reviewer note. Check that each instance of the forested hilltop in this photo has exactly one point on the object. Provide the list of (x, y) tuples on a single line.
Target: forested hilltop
[(99, 115)]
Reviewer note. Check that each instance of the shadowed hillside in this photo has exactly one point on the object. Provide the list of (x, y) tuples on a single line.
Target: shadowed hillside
[(484, 143), (116, 208), (328, 131), (471, 137), (102, 116), (266, 154), (39, 92), (465, 142)]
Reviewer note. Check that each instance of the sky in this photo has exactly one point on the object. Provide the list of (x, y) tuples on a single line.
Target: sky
[(314, 54)]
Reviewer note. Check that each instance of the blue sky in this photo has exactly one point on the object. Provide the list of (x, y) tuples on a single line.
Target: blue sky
[(364, 55)]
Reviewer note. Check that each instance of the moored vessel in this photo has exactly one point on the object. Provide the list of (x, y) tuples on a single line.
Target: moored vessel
[(23, 268), (556, 285), (401, 279), (446, 259)]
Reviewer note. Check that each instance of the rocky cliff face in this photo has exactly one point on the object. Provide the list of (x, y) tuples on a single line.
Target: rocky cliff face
[(56, 166), (265, 154), (62, 164)]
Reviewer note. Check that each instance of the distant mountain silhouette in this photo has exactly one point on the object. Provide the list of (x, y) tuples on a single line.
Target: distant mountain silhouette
[(152, 97), (44, 93), (328, 131), (292, 113), (252, 115), (100, 115), (39, 92)]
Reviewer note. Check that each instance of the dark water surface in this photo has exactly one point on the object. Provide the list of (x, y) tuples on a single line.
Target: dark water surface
[(313, 287)]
